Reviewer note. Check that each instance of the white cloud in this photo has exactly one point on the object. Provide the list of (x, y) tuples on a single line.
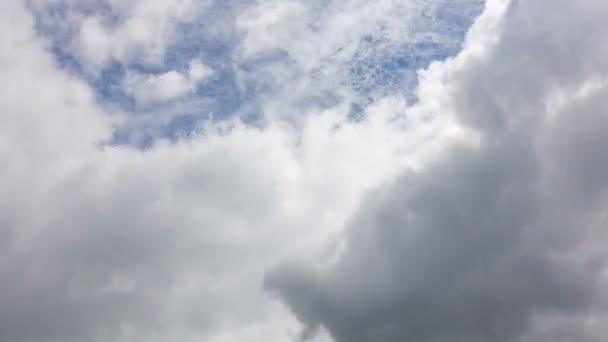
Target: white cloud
[(335, 51), (272, 59), (143, 31), (147, 89), (320, 41), (314, 33)]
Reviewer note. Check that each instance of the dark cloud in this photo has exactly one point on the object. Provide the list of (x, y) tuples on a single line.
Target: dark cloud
[(487, 242)]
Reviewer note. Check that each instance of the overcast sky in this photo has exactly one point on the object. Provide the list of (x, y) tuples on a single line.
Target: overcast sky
[(303, 170)]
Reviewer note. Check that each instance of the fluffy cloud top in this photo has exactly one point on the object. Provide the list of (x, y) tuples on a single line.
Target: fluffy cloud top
[(472, 211)]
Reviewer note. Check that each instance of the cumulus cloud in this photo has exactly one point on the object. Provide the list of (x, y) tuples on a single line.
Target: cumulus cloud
[(501, 240), (472, 214)]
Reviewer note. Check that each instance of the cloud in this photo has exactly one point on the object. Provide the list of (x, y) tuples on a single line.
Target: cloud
[(502, 240), (147, 89), (339, 50), (270, 59), (469, 214), (142, 34), (107, 242)]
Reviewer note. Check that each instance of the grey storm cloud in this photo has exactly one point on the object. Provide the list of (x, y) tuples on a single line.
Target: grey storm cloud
[(497, 240)]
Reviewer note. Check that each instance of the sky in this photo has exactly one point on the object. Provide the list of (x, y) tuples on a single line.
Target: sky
[(303, 170)]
